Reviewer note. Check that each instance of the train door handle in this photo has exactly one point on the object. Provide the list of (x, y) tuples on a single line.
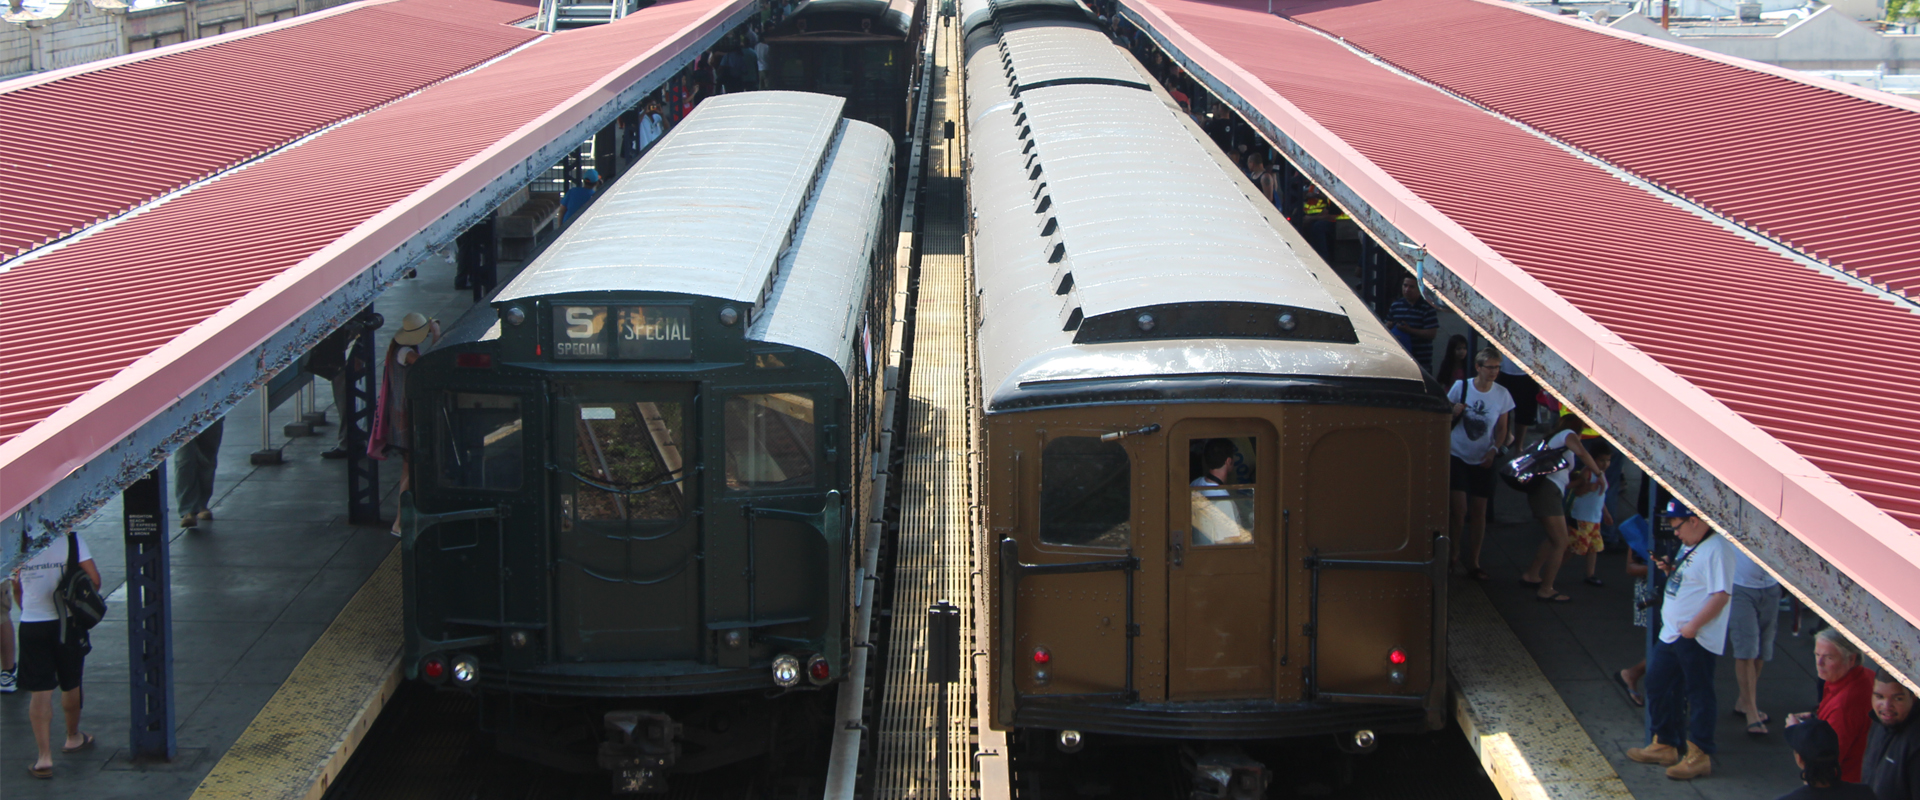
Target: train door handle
[(1176, 547)]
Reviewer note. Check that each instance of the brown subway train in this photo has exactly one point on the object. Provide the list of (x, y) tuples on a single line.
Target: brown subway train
[(1214, 485)]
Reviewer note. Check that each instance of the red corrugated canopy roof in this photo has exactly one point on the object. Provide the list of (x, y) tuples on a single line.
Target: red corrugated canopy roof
[(159, 273), (1824, 367), (1818, 166), (178, 114)]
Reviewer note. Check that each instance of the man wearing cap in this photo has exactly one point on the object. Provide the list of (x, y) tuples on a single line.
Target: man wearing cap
[(1892, 764), (577, 198), (1693, 631), (1817, 750)]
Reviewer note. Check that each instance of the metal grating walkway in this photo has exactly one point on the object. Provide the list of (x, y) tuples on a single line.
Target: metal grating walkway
[(933, 554)]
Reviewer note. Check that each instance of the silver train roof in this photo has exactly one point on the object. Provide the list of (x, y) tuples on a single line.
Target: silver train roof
[(1113, 246), (708, 211), (814, 304)]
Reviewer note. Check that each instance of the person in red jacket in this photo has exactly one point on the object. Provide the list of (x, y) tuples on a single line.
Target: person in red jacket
[(1846, 698)]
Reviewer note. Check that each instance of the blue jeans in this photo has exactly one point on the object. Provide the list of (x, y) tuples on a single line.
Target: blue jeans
[(1680, 680)]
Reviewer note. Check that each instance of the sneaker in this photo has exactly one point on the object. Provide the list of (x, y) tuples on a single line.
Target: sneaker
[(206, 515), (187, 521), (7, 684)]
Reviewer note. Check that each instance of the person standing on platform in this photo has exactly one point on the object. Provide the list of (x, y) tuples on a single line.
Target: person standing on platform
[(1480, 409), (193, 468), (1415, 322), (1547, 497), (8, 683), (577, 198), (1587, 509), (652, 126), (1751, 628), (1817, 750), (1892, 765), (52, 655), (1693, 632), (391, 432), (1846, 698)]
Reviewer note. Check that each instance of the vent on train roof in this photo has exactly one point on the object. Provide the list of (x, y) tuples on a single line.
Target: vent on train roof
[(1215, 320)]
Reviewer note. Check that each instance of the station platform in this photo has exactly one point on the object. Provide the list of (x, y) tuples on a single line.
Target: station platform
[(254, 590), (1573, 652)]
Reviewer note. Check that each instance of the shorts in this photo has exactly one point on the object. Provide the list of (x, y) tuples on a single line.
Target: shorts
[(1476, 481), (1526, 400), (6, 595), (1753, 620), (1584, 538), (1546, 500), (45, 662)]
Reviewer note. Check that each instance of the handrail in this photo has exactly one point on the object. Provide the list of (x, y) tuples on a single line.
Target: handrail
[(1434, 567), (1012, 569), (412, 523)]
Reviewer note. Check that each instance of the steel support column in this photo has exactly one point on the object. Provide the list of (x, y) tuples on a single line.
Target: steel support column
[(149, 620), (363, 473)]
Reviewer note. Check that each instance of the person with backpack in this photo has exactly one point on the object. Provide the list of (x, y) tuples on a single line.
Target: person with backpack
[(53, 641)]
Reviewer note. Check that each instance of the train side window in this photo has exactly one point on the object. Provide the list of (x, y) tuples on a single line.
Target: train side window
[(1221, 490), (770, 441), (633, 448), (479, 441), (1086, 488)]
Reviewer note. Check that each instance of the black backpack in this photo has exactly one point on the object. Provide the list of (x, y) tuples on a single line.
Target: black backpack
[(76, 598)]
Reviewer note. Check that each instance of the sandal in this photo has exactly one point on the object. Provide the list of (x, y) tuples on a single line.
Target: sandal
[(1528, 583), (86, 743), (1479, 574), (1557, 598), (1638, 700), (1593, 580), (43, 773), (1757, 728)]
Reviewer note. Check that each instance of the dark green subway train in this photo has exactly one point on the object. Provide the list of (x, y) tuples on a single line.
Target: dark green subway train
[(639, 475)]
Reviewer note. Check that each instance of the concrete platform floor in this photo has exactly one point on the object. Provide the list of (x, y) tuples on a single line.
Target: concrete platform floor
[(1581, 645), (252, 591)]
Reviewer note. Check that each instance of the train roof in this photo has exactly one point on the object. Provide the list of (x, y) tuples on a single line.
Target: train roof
[(769, 199), (829, 262), (894, 16), (708, 211), (976, 13), (1114, 247)]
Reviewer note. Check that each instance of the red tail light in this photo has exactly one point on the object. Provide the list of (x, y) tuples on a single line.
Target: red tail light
[(1041, 655), (1398, 656), (434, 668), (819, 670), (473, 360)]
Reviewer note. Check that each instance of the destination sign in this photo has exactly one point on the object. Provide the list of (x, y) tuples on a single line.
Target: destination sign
[(655, 332), (580, 332), (600, 333)]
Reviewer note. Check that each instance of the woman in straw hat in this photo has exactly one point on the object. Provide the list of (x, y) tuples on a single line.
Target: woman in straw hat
[(417, 335)]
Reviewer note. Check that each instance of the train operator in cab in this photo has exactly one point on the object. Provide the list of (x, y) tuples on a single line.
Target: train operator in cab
[(1217, 514)]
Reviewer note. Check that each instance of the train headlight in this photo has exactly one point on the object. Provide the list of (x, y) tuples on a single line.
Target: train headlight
[(786, 670), (465, 670)]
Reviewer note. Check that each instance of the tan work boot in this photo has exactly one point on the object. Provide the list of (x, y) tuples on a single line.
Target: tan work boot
[(1655, 753), (1697, 764)]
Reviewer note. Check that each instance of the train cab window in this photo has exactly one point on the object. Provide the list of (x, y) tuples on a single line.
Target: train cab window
[(1085, 492), (479, 441), (1221, 490), (633, 449), (770, 441)]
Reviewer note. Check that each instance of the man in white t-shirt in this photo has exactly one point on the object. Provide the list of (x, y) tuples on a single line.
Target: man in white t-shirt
[(1693, 631), (47, 660), (1481, 415)]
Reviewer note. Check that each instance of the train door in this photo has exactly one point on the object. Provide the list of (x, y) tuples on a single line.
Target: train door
[(626, 576), (768, 563), (1221, 536)]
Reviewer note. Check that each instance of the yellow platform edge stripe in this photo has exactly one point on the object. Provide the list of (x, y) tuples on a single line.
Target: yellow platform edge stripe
[(305, 733), (1528, 741)]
